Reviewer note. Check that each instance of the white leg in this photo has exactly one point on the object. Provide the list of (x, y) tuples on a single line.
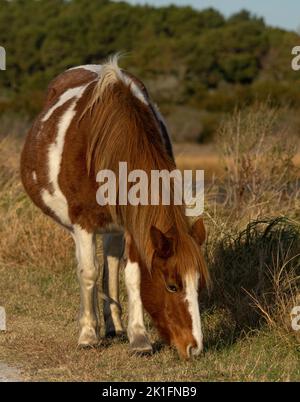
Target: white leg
[(88, 271), (136, 331), (113, 252)]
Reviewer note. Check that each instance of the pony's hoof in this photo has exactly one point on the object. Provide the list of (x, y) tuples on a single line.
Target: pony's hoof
[(88, 338), (141, 346)]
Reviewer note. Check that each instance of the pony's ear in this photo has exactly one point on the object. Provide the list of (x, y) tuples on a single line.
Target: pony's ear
[(162, 244), (198, 231)]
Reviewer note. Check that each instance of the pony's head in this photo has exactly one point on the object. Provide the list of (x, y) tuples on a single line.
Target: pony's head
[(170, 289)]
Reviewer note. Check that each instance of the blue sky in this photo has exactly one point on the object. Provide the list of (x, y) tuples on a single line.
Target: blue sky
[(281, 13)]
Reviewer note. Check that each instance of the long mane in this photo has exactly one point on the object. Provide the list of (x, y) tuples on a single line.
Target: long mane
[(123, 128)]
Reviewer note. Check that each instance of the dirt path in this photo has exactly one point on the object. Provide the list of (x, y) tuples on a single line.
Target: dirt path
[(9, 374)]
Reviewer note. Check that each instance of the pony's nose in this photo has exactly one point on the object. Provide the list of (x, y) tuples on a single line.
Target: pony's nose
[(192, 350)]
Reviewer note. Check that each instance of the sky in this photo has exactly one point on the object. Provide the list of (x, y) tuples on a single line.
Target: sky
[(279, 13)]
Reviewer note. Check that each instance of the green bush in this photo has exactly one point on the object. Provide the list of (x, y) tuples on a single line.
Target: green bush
[(217, 63)]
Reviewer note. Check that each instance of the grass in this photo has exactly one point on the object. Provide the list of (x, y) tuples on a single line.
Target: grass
[(253, 254), (256, 275)]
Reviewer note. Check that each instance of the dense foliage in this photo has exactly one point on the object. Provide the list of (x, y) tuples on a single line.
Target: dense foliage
[(196, 63)]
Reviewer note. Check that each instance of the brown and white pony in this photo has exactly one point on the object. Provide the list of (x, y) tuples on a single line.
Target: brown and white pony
[(95, 116)]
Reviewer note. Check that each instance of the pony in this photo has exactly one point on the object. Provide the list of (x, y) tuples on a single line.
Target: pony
[(95, 116)]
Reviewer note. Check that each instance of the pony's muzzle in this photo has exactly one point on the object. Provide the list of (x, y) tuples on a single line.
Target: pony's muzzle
[(192, 351)]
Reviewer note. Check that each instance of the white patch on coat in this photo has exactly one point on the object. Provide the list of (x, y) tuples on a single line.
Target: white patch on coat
[(135, 307), (56, 201), (87, 272), (34, 176), (85, 247), (65, 97), (193, 306), (94, 68), (136, 91), (58, 204)]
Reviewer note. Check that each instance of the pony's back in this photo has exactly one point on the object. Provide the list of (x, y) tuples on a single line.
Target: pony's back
[(93, 117)]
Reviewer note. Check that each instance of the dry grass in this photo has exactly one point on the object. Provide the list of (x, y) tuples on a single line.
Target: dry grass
[(256, 274), (247, 330), (261, 177), (252, 212)]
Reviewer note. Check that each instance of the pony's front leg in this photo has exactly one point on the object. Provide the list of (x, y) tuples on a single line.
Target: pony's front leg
[(138, 338), (113, 245), (88, 271)]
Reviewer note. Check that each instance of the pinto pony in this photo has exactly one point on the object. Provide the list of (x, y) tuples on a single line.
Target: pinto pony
[(95, 116)]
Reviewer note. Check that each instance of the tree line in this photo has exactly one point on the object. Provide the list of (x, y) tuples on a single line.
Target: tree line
[(195, 60)]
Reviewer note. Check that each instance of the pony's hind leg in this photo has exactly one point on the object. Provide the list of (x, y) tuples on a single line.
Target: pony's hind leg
[(138, 338), (113, 245), (88, 271)]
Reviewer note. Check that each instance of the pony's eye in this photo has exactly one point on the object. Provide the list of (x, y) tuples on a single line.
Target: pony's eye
[(172, 288)]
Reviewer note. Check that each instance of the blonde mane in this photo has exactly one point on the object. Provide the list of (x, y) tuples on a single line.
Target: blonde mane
[(124, 128)]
